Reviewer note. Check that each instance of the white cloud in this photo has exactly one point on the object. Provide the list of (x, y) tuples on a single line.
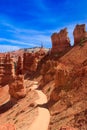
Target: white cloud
[(15, 41), (32, 37), (29, 37), (6, 48)]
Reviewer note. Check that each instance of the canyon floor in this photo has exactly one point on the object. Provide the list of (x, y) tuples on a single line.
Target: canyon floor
[(31, 107)]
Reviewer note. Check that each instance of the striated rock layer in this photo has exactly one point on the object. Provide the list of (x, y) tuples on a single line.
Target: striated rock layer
[(6, 69), (29, 63), (19, 67)]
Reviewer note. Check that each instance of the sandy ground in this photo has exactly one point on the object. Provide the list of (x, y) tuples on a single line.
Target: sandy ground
[(42, 98), (4, 96), (43, 118)]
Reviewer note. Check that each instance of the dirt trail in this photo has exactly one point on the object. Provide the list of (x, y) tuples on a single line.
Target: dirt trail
[(43, 118)]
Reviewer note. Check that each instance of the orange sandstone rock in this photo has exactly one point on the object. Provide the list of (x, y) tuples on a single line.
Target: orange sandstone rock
[(7, 127), (79, 33), (60, 41), (6, 69), (29, 63), (61, 76), (16, 88), (67, 128), (19, 68)]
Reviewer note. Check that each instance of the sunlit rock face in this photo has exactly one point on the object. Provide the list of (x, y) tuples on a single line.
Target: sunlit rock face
[(60, 41), (17, 89), (6, 69), (8, 126), (48, 71), (29, 63), (68, 128), (79, 33), (61, 80), (61, 76)]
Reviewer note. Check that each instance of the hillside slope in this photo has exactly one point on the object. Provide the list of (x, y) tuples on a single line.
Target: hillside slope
[(67, 91)]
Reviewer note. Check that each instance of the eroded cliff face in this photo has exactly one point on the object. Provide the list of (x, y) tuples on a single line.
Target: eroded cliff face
[(48, 71), (19, 67), (60, 41), (6, 69), (69, 106), (29, 63), (67, 96), (79, 33), (61, 76), (68, 101), (61, 80)]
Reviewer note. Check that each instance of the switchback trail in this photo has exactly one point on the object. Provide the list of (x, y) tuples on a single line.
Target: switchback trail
[(42, 120)]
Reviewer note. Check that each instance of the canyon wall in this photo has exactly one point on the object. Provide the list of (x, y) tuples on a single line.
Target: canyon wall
[(6, 69), (19, 67), (29, 63), (48, 71)]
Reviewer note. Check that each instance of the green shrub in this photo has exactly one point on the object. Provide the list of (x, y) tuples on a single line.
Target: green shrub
[(82, 41)]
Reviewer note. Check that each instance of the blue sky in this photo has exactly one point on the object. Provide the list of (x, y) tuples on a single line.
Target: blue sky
[(30, 23)]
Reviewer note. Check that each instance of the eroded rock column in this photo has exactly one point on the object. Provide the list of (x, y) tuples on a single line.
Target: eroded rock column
[(6, 70), (17, 89), (60, 41), (79, 33)]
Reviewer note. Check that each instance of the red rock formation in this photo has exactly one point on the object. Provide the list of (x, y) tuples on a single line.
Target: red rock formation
[(61, 76), (19, 68), (79, 33), (7, 127), (60, 41), (16, 88), (29, 63), (68, 128), (61, 81), (40, 54), (6, 69), (48, 70)]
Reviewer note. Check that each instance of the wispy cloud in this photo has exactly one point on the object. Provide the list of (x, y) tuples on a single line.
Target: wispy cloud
[(24, 37), (15, 41), (6, 48), (29, 37)]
